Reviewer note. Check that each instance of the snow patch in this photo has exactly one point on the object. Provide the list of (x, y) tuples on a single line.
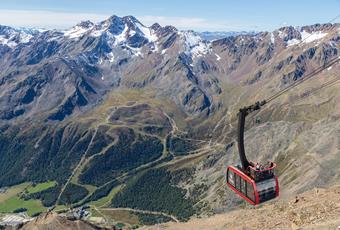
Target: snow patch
[(122, 36), (310, 37), (148, 33), (111, 57), (217, 57), (307, 37), (7, 42), (131, 33), (282, 34), (101, 30), (25, 38), (272, 38), (135, 51), (194, 44), (97, 33), (293, 42), (76, 32)]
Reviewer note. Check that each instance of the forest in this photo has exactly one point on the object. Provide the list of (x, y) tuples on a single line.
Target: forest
[(154, 191), (127, 154)]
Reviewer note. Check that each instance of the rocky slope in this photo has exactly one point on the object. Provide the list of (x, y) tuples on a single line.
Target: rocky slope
[(109, 104), (316, 209)]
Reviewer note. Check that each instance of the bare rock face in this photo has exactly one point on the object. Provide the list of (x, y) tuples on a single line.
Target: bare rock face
[(289, 33), (195, 100)]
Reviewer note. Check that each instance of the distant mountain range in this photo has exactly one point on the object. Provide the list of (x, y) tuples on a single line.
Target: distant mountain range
[(210, 36), (153, 108)]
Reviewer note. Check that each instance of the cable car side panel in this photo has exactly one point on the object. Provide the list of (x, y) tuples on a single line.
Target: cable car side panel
[(242, 185)]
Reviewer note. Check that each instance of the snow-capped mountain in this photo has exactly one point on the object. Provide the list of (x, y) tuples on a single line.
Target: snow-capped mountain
[(11, 37), (123, 51), (127, 30)]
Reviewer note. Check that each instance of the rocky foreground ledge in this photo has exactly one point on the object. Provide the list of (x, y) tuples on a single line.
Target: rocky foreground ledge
[(315, 209)]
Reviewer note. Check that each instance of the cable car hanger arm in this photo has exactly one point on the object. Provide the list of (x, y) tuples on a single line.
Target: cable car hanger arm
[(243, 112)]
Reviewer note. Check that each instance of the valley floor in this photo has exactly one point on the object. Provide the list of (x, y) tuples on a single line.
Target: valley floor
[(315, 209)]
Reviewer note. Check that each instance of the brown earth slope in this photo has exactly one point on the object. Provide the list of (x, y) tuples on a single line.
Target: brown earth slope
[(315, 209)]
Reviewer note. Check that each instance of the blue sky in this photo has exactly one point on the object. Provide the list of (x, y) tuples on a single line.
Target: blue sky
[(211, 15)]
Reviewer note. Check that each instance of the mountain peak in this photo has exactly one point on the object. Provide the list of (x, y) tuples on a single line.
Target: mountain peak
[(130, 19), (113, 18), (85, 24), (156, 26)]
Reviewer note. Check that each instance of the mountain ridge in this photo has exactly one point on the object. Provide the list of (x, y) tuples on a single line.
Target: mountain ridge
[(128, 37)]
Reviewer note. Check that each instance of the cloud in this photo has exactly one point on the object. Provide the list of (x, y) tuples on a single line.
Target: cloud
[(62, 20)]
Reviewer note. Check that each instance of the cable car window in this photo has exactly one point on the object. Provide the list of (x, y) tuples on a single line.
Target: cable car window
[(231, 178), (266, 189), (237, 182), (266, 184), (243, 186), (250, 192)]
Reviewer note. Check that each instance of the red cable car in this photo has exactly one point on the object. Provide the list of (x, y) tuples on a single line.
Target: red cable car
[(255, 183)]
